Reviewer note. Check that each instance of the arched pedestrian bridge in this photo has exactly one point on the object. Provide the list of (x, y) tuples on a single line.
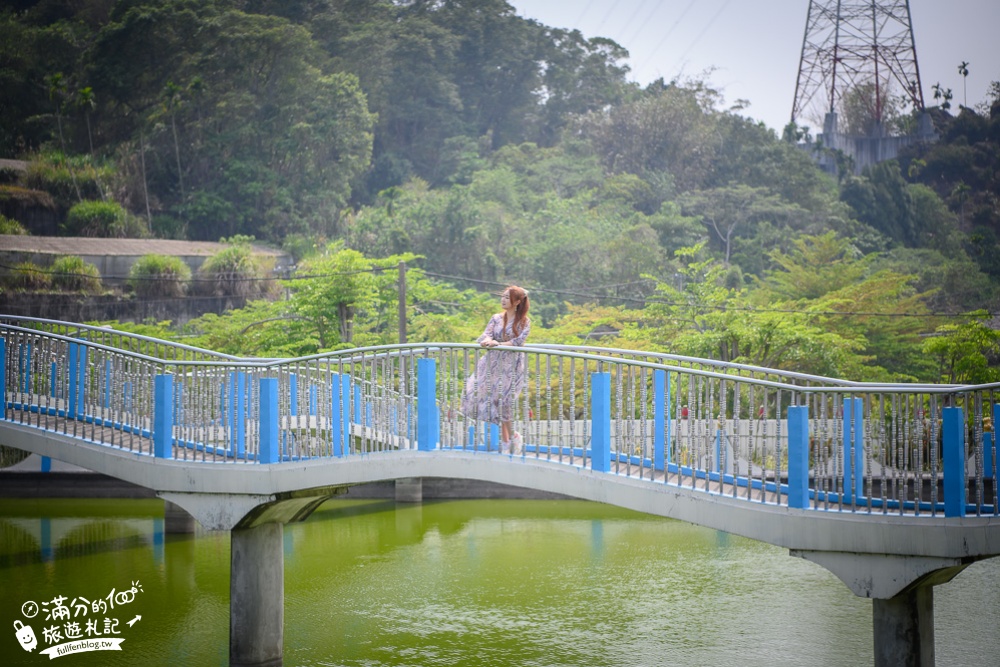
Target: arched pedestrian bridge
[(891, 487)]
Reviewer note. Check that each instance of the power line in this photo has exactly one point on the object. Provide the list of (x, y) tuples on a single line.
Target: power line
[(572, 293), (208, 277), (747, 309), (703, 31), (663, 40)]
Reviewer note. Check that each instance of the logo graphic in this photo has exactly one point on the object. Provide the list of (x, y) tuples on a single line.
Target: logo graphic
[(25, 636), (81, 625)]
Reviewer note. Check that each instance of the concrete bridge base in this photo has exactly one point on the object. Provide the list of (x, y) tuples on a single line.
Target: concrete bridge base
[(409, 490), (257, 596), (903, 629), (902, 593), (257, 562)]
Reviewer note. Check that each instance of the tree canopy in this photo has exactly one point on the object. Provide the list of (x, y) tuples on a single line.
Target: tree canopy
[(484, 148)]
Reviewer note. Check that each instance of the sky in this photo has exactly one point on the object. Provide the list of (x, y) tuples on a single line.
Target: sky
[(751, 48)]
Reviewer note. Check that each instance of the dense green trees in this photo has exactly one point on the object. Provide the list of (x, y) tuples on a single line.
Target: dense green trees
[(488, 149)]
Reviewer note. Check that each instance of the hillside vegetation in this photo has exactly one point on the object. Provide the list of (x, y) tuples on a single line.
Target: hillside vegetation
[(484, 148)]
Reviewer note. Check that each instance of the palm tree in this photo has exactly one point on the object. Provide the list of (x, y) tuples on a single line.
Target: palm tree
[(85, 101), (57, 93), (171, 103), (963, 69)]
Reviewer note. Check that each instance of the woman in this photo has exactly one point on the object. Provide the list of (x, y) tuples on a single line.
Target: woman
[(491, 392)]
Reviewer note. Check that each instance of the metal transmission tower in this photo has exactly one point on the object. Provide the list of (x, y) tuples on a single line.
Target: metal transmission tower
[(859, 47)]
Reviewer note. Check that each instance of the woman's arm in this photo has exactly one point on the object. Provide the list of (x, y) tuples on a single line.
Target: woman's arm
[(489, 334), (519, 339)]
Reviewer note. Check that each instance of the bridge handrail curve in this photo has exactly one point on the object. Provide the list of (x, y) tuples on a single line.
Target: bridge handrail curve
[(353, 355), (4, 319), (738, 367)]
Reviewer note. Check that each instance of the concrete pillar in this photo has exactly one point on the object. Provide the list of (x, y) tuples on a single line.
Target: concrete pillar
[(176, 520), (904, 629), (256, 596), (409, 490)]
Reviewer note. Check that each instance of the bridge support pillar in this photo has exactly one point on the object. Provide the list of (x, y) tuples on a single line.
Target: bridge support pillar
[(903, 629), (257, 562), (409, 490), (256, 596), (901, 589)]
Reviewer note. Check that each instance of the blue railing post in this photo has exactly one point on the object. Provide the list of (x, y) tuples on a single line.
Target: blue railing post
[(427, 430), (340, 422), (312, 400), (659, 409), (854, 459), (3, 378), (293, 382), (163, 417), (953, 442), (268, 446), (798, 456), (600, 421), (54, 369)]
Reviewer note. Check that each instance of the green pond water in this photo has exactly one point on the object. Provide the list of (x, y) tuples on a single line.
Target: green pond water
[(483, 582)]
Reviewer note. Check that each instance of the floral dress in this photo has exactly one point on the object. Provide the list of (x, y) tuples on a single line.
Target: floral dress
[(501, 374)]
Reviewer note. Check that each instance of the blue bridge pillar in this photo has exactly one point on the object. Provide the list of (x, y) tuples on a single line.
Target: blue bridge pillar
[(428, 424), (163, 417), (600, 410), (798, 457), (953, 442), (268, 449)]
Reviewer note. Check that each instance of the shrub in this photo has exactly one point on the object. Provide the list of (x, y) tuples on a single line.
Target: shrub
[(54, 173), (13, 227), (159, 276), (28, 277), (9, 175), (235, 271), (15, 194), (71, 274), (169, 227), (105, 219)]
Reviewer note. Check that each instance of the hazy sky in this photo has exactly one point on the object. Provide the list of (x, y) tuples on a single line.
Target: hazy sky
[(754, 45)]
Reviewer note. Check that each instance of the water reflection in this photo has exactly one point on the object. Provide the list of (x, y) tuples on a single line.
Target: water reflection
[(495, 582)]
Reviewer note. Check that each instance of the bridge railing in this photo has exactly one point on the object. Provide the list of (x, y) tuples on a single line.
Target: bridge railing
[(122, 340), (902, 449)]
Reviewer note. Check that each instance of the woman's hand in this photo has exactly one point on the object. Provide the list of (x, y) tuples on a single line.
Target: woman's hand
[(489, 342)]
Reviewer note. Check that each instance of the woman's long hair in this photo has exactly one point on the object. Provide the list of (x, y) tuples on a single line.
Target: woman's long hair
[(519, 295)]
